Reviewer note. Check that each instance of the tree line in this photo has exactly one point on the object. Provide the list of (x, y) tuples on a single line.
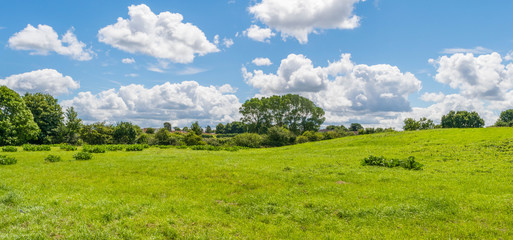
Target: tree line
[(39, 119)]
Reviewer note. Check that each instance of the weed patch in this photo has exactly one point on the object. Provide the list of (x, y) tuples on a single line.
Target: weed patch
[(6, 160), (67, 147), (83, 156), (35, 148), (135, 147), (94, 149), (408, 163), (53, 158), (9, 149)]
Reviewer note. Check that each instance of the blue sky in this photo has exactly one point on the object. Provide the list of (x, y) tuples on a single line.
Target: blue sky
[(407, 58)]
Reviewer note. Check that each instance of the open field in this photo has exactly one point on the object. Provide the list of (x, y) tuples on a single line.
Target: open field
[(313, 190)]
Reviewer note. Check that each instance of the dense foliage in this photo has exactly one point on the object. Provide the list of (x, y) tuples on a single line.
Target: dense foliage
[(296, 113), (411, 124), (462, 119), (505, 119), (47, 114), (17, 124), (7, 160), (408, 163)]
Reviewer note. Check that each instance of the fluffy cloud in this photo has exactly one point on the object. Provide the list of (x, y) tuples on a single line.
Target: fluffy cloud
[(43, 40), (482, 76), (343, 89), (163, 36), (262, 62), (44, 80), (259, 34), (298, 18), (179, 103), (228, 42), (128, 60)]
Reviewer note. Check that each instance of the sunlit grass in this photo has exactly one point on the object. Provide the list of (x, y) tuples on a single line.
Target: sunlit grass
[(313, 190)]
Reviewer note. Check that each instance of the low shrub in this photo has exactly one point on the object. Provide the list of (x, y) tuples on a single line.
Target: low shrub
[(114, 147), (216, 148), (226, 135), (134, 147), (10, 149), (381, 161), (313, 136), (94, 148), (279, 136), (301, 139), (331, 135), (6, 160), (251, 140), (34, 148), (53, 158), (67, 147), (192, 139), (83, 156)]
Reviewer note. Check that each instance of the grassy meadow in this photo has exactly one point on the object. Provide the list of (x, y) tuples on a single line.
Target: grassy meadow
[(315, 190)]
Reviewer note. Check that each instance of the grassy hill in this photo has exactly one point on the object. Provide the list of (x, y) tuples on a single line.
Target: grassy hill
[(313, 191)]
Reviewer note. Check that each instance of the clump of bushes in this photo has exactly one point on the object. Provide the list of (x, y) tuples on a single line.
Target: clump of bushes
[(83, 156), (94, 149), (10, 149), (67, 147), (114, 147), (251, 140), (34, 148), (215, 148), (301, 139), (6, 160), (279, 136), (135, 147), (53, 158), (381, 161)]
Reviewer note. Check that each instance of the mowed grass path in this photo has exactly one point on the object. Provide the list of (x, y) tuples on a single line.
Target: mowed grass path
[(309, 191)]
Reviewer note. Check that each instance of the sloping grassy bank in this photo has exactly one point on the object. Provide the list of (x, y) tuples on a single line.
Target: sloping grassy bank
[(313, 190)]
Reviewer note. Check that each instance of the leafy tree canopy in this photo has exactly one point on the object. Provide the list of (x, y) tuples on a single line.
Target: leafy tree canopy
[(17, 124), (296, 113), (47, 114), (462, 119)]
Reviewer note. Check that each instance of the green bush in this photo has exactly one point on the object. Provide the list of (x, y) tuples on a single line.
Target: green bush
[(53, 158), (134, 147), (6, 160), (83, 156), (301, 139), (381, 161), (67, 147), (115, 147), (192, 139), (251, 140), (10, 149), (331, 135), (279, 136), (34, 148), (313, 136), (94, 148)]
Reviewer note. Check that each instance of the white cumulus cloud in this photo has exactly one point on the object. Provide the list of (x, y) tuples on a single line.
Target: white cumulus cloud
[(163, 36), (179, 103), (345, 90), (482, 76), (262, 62), (259, 34), (228, 42), (45, 80), (43, 40), (299, 18)]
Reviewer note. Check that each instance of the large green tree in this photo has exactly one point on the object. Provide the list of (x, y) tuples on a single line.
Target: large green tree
[(506, 119), (195, 127), (296, 113), (462, 119), (17, 124), (97, 133), (47, 114), (125, 133)]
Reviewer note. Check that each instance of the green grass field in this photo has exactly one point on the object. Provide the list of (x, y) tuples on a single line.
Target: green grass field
[(310, 191)]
